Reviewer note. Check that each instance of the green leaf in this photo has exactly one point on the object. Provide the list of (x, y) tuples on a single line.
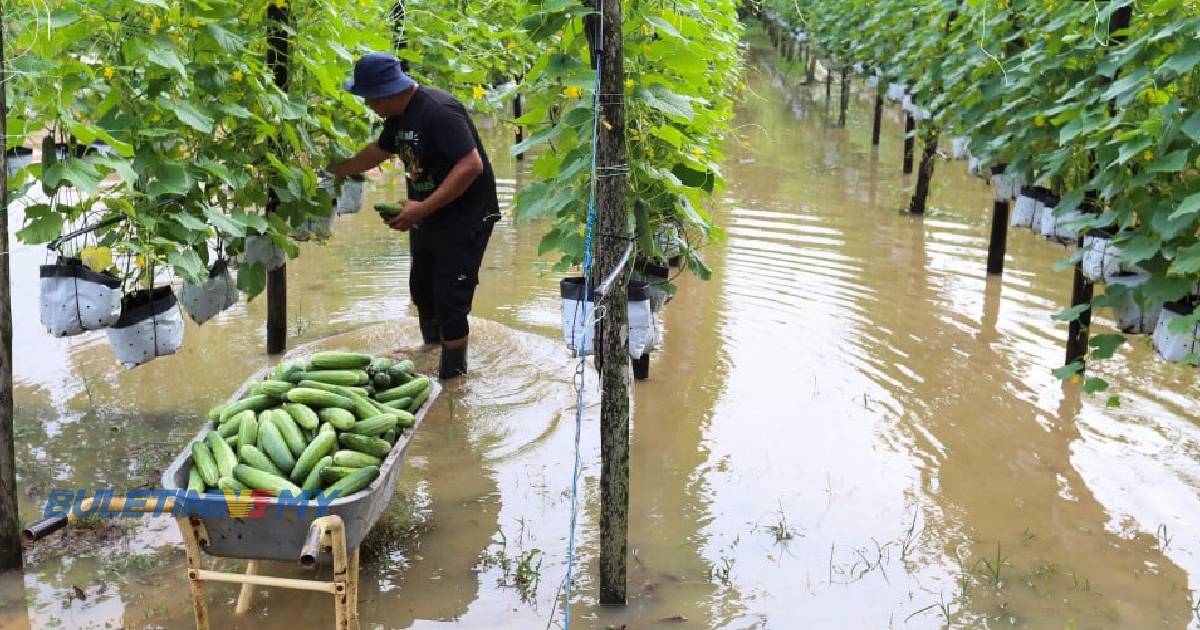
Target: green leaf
[(1105, 345), (187, 264), (169, 179), (1183, 61), (1071, 314), (251, 279), (192, 117), (1173, 162), (1093, 385), (1189, 205), (541, 137), (227, 40), (223, 223), (1067, 371), (667, 101), (1191, 126), (164, 55), (670, 134), (78, 173), (1187, 259), (42, 225), (694, 179)]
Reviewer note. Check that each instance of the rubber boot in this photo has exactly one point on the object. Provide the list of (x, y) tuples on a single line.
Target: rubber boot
[(454, 363), (431, 333)]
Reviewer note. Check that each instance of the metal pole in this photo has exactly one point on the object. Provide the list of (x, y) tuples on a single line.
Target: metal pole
[(878, 113), (998, 243), (10, 525), (845, 102), (277, 60), (520, 129)]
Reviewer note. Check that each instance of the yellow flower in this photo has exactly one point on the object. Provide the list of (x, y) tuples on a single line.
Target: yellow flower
[(155, 24), (281, 4), (109, 72), (140, 260), (1039, 120), (96, 258), (646, 30), (193, 22), (1147, 155), (512, 45), (697, 152), (1076, 379), (629, 84), (478, 92), (572, 92), (155, 117), (237, 75)]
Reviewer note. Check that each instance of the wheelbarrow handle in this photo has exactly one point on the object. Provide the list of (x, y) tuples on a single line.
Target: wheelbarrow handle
[(311, 548), (44, 528)]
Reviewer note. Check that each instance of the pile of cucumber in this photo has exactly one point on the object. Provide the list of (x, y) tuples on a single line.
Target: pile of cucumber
[(322, 425)]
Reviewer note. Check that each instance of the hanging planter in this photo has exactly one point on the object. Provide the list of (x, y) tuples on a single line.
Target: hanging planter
[(1005, 185), (75, 299), (895, 91), (642, 330), (316, 228), (1025, 208), (1176, 346), (1101, 259), (657, 279), (150, 326), (959, 147), (1132, 316), (1056, 226), (262, 250), (18, 158), (975, 166), (217, 293), (668, 240), (906, 103), (353, 196)]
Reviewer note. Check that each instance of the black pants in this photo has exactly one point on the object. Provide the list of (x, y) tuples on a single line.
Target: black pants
[(444, 273)]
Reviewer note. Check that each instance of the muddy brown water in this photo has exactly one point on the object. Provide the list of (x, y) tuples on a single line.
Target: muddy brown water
[(849, 426)]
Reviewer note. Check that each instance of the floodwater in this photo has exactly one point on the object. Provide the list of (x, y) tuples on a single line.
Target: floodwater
[(849, 426)]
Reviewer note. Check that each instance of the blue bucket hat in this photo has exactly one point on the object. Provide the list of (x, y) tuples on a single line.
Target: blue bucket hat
[(377, 75)]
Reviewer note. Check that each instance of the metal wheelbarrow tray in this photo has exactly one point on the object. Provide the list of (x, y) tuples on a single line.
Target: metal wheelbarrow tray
[(280, 528)]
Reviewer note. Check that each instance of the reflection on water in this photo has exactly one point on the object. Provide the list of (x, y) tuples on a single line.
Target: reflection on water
[(849, 426)]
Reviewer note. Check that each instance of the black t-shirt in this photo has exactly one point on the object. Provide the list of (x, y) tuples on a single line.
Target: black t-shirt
[(431, 136)]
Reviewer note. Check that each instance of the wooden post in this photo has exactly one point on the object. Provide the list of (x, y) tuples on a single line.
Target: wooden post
[(277, 60), (909, 139), (10, 525), (520, 129), (878, 112), (613, 347), (845, 102), (998, 243), (828, 85), (810, 75), (925, 173)]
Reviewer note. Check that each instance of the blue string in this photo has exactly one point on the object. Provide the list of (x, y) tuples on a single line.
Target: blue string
[(587, 309)]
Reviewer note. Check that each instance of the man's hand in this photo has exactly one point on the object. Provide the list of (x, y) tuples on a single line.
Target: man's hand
[(414, 212)]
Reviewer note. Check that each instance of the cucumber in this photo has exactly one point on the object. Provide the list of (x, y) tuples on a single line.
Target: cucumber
[(231, 427), (275, 389), (317, 398), (248, 431), (256, 402), (406, 419), (260, 480), (379, 365), (419, 400), (202, 459), (365, 444), (214, 414), (402, 372), (337, 377), (286, 370), (355, 481), (332, 474), (275, 447), (222, 454), (375, 425), (290, 432), (252, 456), (195, 481), (305, 417), (327, 428), (389, 210), (382, 381), (313, 481), (390, 437), (337, 389), (363, 408), (318, 448), (407, 390), (355, 459), (400, 404), (341, 419), (232, 441), (339, 361), (229, 484)]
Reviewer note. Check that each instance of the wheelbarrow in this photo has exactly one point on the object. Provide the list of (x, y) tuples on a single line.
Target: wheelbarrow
[(259, 527)]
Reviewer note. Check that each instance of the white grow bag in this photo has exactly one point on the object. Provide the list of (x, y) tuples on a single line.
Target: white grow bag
[(150, 326), (18, 158), (1056, 226), (1172, 346), (262, 250), (1024, 209), (895, 91), (353, 196), (1101, 259), (643, 332), (217, 293), (958, 147), (75, 299), (1131, 316), (1006, 186)]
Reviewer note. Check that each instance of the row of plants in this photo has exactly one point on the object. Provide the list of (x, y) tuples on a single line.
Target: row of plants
[(1106, 120)]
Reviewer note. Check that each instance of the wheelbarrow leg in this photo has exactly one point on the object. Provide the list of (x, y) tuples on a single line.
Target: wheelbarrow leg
[(328, 534), (247, 592), (193, 532), (352, 596)]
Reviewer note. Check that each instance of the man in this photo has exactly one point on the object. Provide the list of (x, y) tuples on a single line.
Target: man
[(452, 202)]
